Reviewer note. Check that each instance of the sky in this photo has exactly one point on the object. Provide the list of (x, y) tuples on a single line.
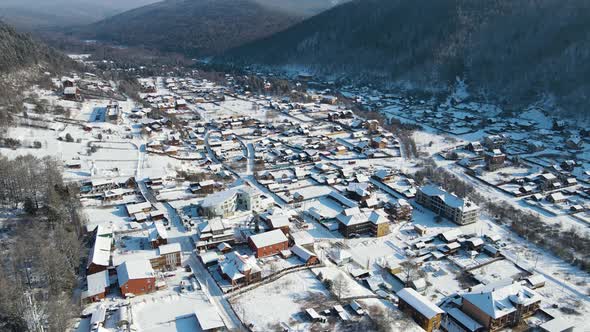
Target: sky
[(40, 13), (32, 14)]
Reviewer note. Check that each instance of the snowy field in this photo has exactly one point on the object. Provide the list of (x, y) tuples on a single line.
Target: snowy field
[(173, 313), (281, 301)]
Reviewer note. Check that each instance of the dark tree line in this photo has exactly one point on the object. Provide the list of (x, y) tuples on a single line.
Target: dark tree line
[(42, 254)]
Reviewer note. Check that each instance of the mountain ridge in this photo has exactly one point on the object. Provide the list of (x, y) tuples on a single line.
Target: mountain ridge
[(193, 27), (34, 15), (513, 49)]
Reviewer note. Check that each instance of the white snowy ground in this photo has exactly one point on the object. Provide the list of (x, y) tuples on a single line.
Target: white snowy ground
[(280, 301), (566, 285), (169, 313)]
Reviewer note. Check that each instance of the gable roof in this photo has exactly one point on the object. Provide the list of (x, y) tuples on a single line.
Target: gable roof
[(419, 303), (377, 217), (169, 248), (101, 252), (268, 238), (449, 199), (138, 207), (498, 299), (302, 253), (136, 269), (279, 220), (235, 265), (208, 318), (97, 283)]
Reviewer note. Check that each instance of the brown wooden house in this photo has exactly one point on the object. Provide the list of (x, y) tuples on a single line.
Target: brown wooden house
[(423, 312)]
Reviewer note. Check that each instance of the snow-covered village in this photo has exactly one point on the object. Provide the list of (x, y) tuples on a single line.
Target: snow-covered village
[(209, 205)]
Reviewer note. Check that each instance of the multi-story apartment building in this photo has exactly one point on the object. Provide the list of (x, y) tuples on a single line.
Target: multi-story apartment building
[(226, 203), (460, 211)]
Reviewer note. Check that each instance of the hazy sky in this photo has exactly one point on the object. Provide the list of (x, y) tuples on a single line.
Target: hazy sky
[(35, 13), (28, 14), (126, 4)]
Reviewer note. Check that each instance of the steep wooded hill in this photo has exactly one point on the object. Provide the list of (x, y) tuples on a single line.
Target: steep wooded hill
[(516, 50), (191, 27), (19, 50)]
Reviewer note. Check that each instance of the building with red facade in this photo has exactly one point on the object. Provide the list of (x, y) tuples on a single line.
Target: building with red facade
[(269, 243), (136, 277)]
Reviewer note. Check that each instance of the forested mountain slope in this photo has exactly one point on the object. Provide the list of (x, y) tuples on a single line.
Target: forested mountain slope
[(515, 49), (191, 27), (19, 50)]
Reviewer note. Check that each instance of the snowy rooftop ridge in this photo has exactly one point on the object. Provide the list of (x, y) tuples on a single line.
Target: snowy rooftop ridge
[(268, 238), (419, 302), (135, 269), (449, 199), (499, 298)]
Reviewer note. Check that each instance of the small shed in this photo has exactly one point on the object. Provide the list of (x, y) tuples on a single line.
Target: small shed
[(535, 281)]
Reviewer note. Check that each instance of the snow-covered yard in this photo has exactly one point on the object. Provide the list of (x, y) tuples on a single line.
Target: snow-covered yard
[(281, 301)]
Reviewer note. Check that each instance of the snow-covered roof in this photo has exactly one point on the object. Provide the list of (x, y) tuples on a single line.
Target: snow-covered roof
[(234, 265), (451, 235), (476, 241), (419, 284), (498, 299), (449, 199), (117, 192), (548, 176), (383, 173), (219, 198), (464, 319), (160, 231), (352, 217), (362, 177), (556, 325), (419, 303), (312, 313), (341, 255), (558, 196), (101, 252), (224, 246), (208, 318), (377, 217), (104, 229), (140, 216), (535, 279), (361, 189), (138, 207), (300, 172), (169, 248), (97, 283), (302, 238), (302, 253), (209, 257), (101, 182), (207, 183), (99, 315), (372, 202), (279, 220), (134, 269), (268, 238)]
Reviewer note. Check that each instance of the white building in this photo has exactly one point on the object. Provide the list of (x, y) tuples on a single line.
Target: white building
[(226, 203), (460, 211)]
